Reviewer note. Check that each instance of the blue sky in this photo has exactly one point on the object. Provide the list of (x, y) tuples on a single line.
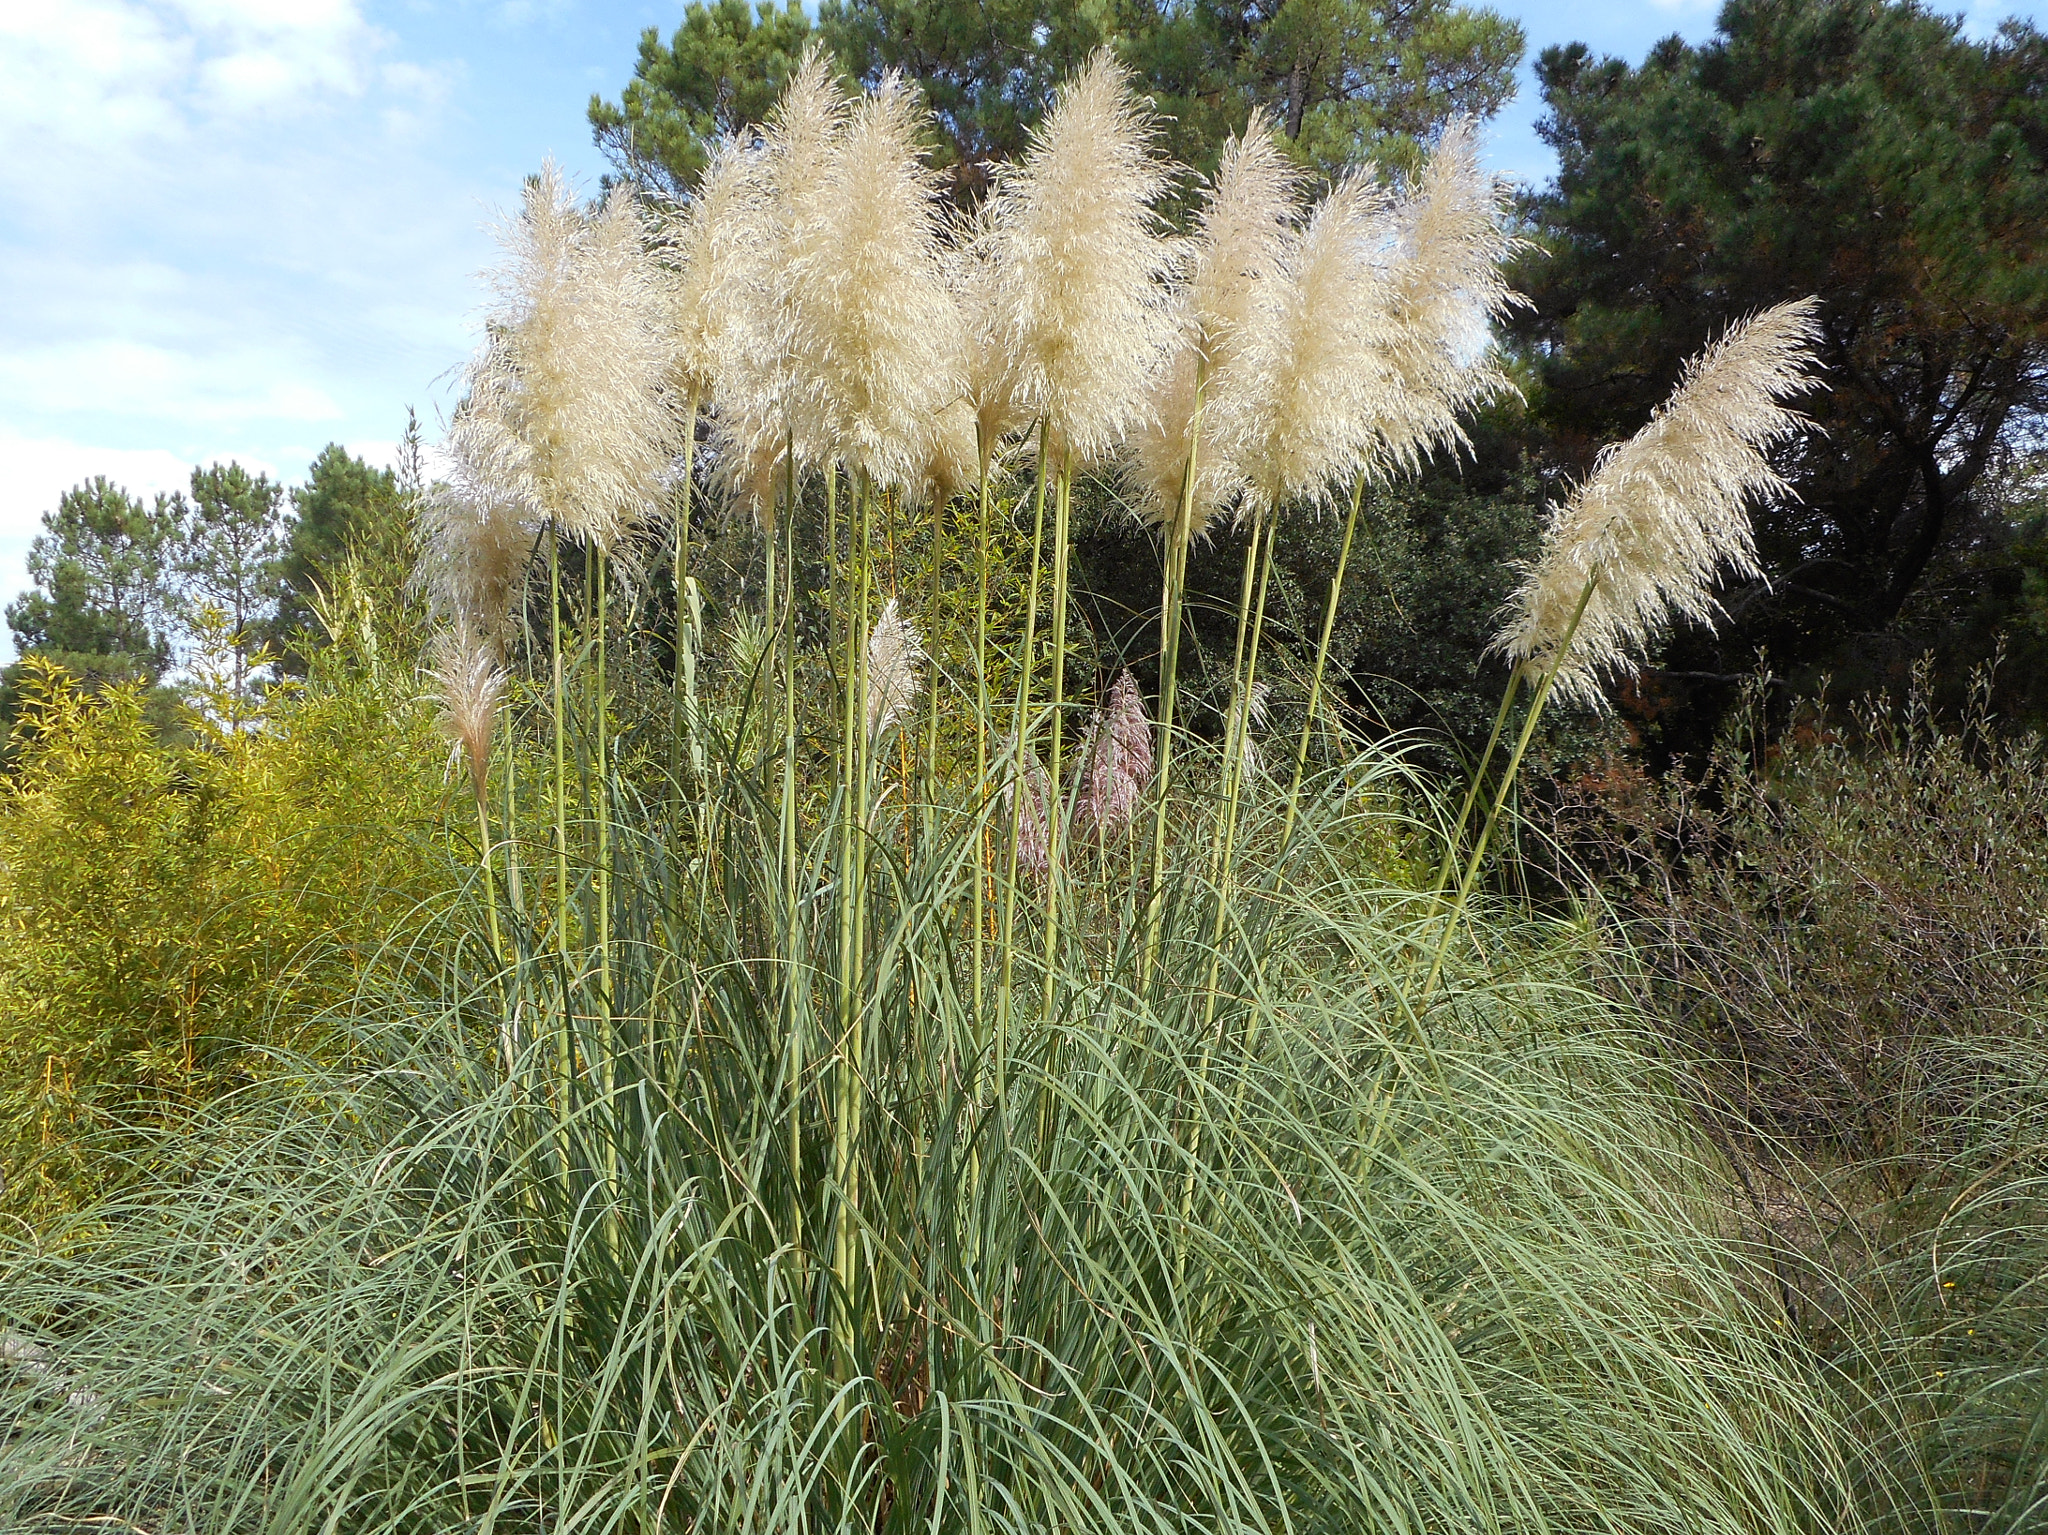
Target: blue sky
[(246, 228)]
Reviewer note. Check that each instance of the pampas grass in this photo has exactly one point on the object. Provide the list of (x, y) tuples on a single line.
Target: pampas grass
[(876, 346), (569, 415), (475, 547), (1081, 258), (1665, 513), (1116, 761), (1643, 541), (799, 1211), (895, 654), (470, 683), (1224, 315)]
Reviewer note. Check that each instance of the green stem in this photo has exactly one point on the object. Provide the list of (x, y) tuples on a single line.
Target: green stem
[(1169, 686), (981, 722), (483, 830), (682, 572), (512, 881), (1258, 554), (602, 788), (1315, 686), (1507, 783), (1055, 818), (853, 898), (1500, 718), (1020, 786), (561, 746)]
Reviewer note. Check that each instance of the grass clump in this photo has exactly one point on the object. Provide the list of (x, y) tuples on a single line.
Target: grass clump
[(1135, 1258)]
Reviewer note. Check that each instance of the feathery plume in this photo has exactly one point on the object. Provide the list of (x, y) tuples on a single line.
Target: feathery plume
[(1446, 288), (470, 682), (1381, 339), (567, 415), (474, 552), (952, 456), (1666, 511), (894, 654), (1324, 379), (875, 336), (1033, 808), (1080, 255), (759, 406), (1223, 312), (986, 376), (716, 290), (1116, 760)]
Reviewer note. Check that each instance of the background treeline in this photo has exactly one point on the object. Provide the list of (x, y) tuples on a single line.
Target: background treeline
[(127, 590)]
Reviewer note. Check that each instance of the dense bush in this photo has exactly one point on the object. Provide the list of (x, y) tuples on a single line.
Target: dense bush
[(1823, 911), (170, 910)]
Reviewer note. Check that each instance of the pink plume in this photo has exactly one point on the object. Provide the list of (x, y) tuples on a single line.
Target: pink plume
[(1116, 760)]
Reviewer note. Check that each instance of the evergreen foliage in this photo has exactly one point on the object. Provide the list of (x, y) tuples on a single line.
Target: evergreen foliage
[(101, 600), (1867, 153), (1344, 78)]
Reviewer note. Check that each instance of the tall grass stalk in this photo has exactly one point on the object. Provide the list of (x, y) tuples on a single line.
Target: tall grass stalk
[(1057, 816), (1315, 685), (1021, 781), (1172, 597)]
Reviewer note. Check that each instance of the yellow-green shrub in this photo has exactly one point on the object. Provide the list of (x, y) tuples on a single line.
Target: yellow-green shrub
[(168, 910)]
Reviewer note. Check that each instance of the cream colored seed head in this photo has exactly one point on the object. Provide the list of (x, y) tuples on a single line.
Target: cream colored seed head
[(1666, 512), (895, 654), (470, 682), (759, 404), (568, 413), (876, 344), (1446, 287), (989, 388), (474, 552), (1320, 377), (1080, 256), (1223, 316), (711, 246)]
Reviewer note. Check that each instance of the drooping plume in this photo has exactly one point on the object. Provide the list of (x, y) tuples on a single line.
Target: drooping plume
[(474, 550), (469, 681), (1116, 760), (1028, 795), (1665, 512), (1079, 256), (895, 654), (568, 417), (1223, 316)]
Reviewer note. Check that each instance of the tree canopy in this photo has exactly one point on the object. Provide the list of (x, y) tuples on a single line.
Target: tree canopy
[(1344, 78), (345, 507), (121, 588), (100, 600), (1867, 153)]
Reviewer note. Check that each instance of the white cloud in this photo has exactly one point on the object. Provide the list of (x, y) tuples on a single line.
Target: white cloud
[(151, 383), (35, 471)]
